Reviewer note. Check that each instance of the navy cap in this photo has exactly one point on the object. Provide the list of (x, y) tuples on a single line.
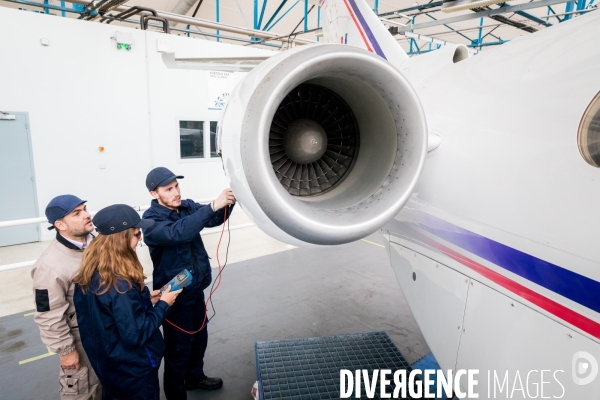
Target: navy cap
[(117, 218), (61, 206), (160, 176)]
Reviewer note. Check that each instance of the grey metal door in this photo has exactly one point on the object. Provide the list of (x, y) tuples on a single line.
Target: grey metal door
[(17, 190)]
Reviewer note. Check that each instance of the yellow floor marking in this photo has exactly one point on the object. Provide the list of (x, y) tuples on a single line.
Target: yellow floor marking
[(48, 354), (376, 244), (29, 314)]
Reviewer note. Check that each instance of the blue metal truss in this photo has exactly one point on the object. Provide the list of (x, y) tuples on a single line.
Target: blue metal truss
[(449, 27), (571, 8), (568, 8), (553, 12), (580, 5), (77, 9), (255, 22), (274, 14), (413, 52), (218, 17), (262, 14), (276, 17), (318, 20), (474, 43), (478, 42), (269, 27), (534, 18), (306, 15)]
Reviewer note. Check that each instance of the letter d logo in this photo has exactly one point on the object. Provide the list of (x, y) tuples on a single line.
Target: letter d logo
[(585, 368)]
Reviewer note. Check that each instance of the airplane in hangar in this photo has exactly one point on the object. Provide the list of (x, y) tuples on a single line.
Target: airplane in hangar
[(482, 173)]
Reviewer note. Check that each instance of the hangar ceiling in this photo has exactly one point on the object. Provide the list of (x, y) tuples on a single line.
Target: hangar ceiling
[(419, 26)]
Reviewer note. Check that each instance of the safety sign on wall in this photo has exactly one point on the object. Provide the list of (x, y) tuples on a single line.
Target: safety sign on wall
[(220, 85)]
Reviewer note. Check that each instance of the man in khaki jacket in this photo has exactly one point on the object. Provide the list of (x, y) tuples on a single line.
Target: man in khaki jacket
[(52, 277)]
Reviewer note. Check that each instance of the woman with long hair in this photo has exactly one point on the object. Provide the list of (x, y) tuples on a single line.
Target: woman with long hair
[(118, 317)]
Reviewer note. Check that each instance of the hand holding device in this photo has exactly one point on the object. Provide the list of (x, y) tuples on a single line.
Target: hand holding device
[(169, 296), (154, 296), (181, 280), (171, 290)]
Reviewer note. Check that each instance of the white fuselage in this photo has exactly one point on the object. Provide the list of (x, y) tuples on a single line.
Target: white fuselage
[(495, 251), (501, 229)]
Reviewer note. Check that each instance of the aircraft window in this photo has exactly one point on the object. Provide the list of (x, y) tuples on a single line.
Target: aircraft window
[(589, 133)]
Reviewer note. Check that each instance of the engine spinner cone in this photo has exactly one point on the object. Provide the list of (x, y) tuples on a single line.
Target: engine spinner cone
[(305, 141)]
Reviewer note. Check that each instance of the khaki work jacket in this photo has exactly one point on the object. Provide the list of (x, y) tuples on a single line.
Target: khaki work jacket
[(53, 289)]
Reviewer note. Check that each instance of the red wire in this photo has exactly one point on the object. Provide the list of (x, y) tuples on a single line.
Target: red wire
[(213, 290)]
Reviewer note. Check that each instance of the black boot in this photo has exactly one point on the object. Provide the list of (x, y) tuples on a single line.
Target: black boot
[(205, 384)]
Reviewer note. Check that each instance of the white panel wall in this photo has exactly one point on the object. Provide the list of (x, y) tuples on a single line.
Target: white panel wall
[(182, 95), (81, 93)]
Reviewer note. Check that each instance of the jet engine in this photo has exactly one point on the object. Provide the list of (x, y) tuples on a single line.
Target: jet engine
[(323, 144)]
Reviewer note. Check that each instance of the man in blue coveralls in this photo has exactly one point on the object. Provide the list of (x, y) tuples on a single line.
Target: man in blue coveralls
[(175, 244)]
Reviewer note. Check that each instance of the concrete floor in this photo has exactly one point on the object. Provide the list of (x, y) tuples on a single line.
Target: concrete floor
[(302, 292)]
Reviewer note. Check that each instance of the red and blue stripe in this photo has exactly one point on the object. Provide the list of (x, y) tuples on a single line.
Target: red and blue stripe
[(364, 29), (575, 287)]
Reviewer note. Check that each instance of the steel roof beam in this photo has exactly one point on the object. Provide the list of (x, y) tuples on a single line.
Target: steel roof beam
[(529, 16), (534, 18), (487, 13), (508, 22), (451, 28), (414, 8)]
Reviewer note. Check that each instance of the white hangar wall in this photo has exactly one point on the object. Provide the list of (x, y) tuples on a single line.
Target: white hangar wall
[(81, 92)]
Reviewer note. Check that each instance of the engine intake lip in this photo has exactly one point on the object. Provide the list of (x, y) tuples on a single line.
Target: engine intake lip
[(393, 143)]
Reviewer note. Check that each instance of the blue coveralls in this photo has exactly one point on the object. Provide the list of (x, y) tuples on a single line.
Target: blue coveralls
[(121, 337), (175, 244)]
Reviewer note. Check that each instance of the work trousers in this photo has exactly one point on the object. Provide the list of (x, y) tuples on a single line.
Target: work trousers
[(82, 384), (184, 353), (150, 391)]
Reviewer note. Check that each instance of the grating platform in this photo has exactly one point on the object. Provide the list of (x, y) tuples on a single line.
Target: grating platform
[(309, 369)]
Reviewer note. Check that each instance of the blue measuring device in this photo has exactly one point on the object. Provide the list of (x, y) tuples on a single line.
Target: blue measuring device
[(183, 279)]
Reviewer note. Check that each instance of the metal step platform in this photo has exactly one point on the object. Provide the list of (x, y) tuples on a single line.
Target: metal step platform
[(309, 369)]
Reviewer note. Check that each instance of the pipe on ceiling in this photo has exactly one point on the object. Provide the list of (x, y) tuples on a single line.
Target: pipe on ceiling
[(214, 25), (182, 8)]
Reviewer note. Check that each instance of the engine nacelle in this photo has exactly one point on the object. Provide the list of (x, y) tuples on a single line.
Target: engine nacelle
[(323, 144)]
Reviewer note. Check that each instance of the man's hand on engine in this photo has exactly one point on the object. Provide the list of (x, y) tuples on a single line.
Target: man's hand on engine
[(226, 198)]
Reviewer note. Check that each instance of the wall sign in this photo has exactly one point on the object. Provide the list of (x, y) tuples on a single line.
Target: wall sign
[(220, 85)]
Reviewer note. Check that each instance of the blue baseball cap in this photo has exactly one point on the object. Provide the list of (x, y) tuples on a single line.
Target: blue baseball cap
[(160, 176), (61, 206), (117, 218)]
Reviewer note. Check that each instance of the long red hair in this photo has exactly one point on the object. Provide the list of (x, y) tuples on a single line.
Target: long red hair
[(113, 258)]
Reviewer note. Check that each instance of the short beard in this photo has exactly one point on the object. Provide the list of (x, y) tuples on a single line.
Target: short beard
[(79, 233), (164, 203)]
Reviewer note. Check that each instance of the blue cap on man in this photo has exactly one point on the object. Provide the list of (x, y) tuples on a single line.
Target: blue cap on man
[(61, 206), (160, 176), (117, 218)]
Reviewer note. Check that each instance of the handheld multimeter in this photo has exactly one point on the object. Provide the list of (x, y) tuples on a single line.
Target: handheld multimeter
[(183, 279)]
